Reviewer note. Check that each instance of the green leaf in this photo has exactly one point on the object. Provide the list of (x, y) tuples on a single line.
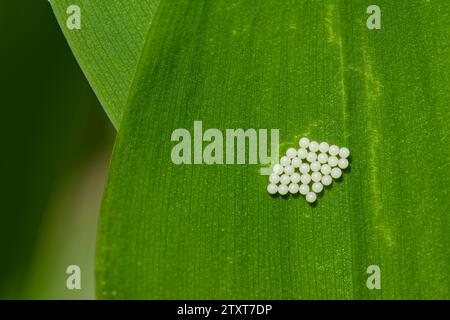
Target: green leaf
[(307, 68), (108, 45)]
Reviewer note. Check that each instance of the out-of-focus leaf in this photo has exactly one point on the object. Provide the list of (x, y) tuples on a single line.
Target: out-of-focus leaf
[(47, 115)]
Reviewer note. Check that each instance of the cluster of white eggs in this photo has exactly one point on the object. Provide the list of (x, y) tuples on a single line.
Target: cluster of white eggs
[(308, 169)]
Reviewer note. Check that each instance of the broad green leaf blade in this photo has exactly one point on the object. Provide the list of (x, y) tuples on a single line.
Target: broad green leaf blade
[(307, 68), (108, 45)]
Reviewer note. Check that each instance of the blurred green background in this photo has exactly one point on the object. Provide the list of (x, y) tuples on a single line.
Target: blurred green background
[(55, 146)]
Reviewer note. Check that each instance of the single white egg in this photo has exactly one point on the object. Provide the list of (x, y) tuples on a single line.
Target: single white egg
[(323, 147), (333, 161), (311, 157), (344, 152), (278, 169), (304, 168), (317, 187), (283, 189), (313, 146), (291, 152), (336, 173), (334, 150), (293, 188), (326, 169), (322, 157), (285, 161), (274, 178), (272, 189), (311, 197), (285, 179), (326, 180), (296, 162), (295, 177), (315, 166), (304, 142), (304, 189), (316, 176), (343, 163), (289, 170), (305, 178), (302, 153)]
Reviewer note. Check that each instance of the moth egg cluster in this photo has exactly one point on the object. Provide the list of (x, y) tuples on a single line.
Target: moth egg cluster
[(308, 169)]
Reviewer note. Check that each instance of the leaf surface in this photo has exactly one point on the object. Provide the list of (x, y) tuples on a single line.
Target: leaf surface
[(307, 68), (108, 45)]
